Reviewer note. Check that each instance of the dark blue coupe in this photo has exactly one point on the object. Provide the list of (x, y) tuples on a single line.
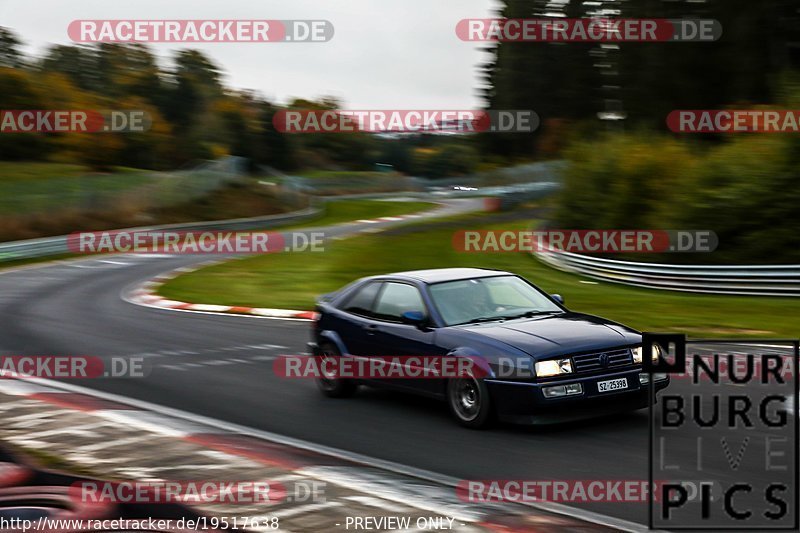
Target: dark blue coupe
[(543, 362)]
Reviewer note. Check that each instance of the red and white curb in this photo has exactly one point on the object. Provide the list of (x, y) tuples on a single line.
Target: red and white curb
[(146, 294), (137, 415), (387, 219), (116, 435)]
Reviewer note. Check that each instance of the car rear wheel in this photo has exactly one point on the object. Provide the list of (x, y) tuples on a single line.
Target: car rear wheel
[(328, 382), (469, 402)]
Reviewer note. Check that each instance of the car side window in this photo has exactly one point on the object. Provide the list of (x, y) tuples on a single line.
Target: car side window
[(362, 301), (397, 298)]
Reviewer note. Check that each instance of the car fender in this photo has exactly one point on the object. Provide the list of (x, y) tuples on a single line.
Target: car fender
[(333, 337), (475, 357)]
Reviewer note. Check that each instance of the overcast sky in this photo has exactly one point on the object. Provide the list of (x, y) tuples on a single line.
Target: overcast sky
[(386, 54)]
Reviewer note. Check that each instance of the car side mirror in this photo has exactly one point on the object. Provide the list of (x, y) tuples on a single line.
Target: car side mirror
[(413, 318), (558, 298)]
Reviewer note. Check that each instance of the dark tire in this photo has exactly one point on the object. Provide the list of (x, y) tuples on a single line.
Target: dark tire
[(332, 386), (469, 402)]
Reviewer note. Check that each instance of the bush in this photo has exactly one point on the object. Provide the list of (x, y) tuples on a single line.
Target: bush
[(746, 189)]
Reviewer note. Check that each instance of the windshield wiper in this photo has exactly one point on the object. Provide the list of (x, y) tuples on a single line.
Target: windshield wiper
[(531, 314), (527, 314), (484, 319)]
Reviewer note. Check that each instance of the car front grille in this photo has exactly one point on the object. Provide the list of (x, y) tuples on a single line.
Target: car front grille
[(594, 362)]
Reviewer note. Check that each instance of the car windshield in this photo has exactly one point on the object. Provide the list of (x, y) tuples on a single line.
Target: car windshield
[(488, 299)]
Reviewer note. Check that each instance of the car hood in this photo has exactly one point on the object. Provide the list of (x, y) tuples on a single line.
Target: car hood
[(553, 335)]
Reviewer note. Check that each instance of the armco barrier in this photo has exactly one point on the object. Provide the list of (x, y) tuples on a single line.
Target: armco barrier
[(759, 280), (49, 246)]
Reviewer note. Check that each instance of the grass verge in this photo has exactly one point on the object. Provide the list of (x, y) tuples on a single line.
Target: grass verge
[(295, 280)]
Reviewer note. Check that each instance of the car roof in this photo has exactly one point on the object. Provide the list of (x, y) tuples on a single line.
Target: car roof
[(436, 275)]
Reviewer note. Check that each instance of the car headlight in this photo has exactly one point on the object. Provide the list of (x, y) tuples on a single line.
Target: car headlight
[(637, 354), (545, 369)]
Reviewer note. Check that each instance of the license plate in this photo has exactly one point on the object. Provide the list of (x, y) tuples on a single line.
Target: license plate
[(612, 384)]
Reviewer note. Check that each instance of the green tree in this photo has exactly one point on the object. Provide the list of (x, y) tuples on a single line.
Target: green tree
[(10, 55), (19, 90)]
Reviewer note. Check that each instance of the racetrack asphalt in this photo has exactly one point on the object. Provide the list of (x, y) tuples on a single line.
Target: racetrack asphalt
[(221, 367)]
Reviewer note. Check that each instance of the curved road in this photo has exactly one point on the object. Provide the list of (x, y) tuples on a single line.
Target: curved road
[(220, 366)]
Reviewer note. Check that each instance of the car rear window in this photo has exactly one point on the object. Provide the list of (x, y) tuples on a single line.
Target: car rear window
[(360, 303)]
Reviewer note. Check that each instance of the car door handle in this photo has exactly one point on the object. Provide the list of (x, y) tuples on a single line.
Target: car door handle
[(370, 329)]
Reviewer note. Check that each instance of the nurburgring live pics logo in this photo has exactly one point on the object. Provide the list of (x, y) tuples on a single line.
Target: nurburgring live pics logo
[(738, 430)]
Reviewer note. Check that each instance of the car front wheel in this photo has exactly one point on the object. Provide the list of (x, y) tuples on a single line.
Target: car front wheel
[(328, 382), (469, 402)]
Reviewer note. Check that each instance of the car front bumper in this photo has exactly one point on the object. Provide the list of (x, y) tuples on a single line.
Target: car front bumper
[(525, 402)]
